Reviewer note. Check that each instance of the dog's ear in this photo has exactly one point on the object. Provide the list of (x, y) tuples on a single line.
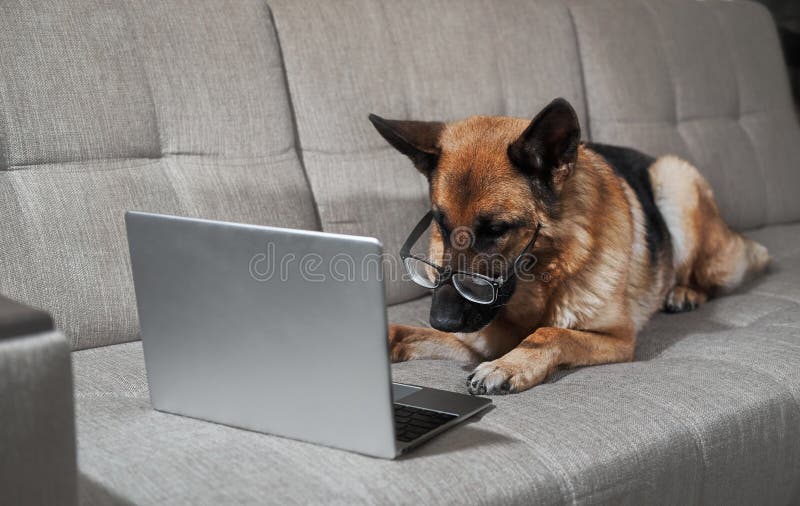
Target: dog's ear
[(549, 145), (418, 140)]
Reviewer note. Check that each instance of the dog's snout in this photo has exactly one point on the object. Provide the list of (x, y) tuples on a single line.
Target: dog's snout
[(448, 309)]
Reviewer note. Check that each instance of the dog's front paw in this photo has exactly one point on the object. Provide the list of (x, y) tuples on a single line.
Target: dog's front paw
[(399, 351), (511, 373), (410, 343)]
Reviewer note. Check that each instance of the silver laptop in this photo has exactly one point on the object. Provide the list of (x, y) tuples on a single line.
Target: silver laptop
[(278, 331)]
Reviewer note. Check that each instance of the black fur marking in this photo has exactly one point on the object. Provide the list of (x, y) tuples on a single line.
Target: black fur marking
[(682, 307), (633, 166), (488, 230), (543, 190)]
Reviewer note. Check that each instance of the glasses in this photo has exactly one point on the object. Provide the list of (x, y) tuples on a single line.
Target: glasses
[(472, 286)]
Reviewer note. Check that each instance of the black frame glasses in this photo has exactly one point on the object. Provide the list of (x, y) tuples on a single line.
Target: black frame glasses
[(462, 280)]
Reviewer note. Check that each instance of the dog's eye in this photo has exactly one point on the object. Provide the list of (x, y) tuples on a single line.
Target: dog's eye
[(496, 230)]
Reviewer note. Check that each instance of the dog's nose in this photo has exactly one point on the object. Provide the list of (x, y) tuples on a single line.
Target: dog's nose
[(448, 309)]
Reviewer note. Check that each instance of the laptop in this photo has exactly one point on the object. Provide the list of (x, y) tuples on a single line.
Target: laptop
[(278, 331)]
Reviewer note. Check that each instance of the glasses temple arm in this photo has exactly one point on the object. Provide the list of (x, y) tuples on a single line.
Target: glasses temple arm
[(529, 245), (533, 239), (423, 224)]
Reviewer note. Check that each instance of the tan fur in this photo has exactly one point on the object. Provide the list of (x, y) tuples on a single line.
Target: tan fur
[(708, 256), (595, 287), (409, 343)]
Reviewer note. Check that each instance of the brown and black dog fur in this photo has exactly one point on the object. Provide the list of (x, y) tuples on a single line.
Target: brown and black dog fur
[(623, 235)]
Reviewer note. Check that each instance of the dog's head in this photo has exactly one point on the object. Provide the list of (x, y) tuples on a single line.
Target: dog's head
[(492, 180)]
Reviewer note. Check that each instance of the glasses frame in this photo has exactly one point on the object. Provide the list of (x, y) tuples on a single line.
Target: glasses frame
[(446, 273)]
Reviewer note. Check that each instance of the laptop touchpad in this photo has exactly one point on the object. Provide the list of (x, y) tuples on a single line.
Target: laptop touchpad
[(399, 391)]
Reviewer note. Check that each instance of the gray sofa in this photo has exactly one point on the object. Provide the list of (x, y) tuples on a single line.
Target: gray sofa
[(255, 111)]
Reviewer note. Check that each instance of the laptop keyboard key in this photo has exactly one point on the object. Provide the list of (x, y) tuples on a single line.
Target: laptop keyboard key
[(411, 423)]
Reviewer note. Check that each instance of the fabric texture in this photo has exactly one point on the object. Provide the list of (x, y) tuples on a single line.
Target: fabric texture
[(708, 413), (37, 426), (182, 107), (413, 312), (18, 319), (423, 60), (173, 107), (705, 81)]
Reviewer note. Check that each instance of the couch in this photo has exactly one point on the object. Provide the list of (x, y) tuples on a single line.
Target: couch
[(255, 111)]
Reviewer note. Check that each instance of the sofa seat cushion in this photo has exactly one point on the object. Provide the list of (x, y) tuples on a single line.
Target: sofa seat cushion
[(708, 413)]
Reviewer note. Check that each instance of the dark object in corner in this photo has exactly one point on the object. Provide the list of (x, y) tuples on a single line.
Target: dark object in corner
[(787, 17), (18, 319)]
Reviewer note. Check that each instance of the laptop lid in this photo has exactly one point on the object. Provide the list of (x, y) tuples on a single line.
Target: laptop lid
[(274, 330)]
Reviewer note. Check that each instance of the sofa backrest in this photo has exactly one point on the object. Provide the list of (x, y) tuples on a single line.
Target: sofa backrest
[(410, 59), (182, 107), (175, 107), (704, 80)]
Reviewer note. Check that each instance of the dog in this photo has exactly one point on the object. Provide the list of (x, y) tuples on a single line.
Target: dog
[(622, 236)]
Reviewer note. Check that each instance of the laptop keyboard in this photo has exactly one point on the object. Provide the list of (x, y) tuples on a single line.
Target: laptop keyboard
[(411, 423)]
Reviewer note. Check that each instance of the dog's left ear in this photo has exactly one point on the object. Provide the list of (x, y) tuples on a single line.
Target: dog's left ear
[(418, 140), (549, 146)]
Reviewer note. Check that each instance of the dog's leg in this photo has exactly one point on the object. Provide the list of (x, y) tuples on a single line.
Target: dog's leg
[(410, 343), (708, 257), (539, 354)]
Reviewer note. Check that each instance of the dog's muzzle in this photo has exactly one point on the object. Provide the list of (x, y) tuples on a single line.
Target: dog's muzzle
[(448, 309), (450, 312)]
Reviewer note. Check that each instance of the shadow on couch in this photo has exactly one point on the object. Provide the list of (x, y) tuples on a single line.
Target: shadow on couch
[(91, 493), (467, 437)]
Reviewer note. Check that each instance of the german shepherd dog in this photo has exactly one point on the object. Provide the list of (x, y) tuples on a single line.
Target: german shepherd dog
[(622, 236)]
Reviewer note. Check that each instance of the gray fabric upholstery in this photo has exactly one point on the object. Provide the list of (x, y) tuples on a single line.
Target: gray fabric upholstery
[(709, 413), (156, 107), (37, 426), (176, 107), (784, 278), (18, 319), (181, 107), (658, 80), (413, 312), (423, 60)]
